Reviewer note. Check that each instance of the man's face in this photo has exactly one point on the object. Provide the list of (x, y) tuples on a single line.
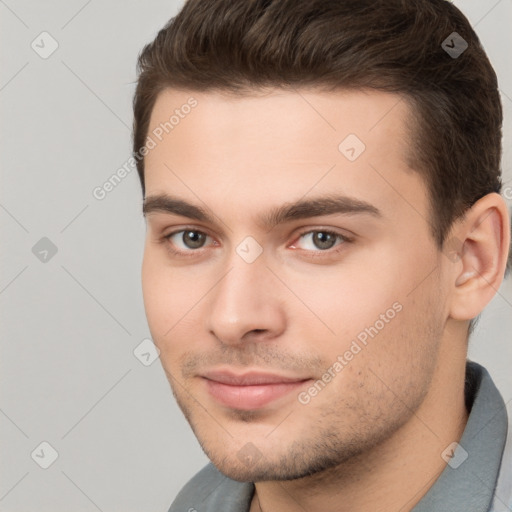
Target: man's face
[(345, 299)]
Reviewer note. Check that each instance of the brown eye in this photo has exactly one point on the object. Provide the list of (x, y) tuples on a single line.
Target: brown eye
[(187, 239), (320, 240), (323, 240), (193, 239)]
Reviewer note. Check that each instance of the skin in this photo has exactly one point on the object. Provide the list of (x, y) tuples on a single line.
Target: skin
[(372, 438)]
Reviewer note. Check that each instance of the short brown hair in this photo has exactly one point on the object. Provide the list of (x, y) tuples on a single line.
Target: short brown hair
[(391, 45)]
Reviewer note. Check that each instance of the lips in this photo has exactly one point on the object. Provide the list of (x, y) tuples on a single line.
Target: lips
[(249, 378), (251, 390)]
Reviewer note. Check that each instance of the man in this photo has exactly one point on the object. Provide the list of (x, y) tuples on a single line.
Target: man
[(321, 184)]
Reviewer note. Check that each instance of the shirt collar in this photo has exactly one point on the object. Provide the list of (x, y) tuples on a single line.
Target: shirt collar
[(469, 479)]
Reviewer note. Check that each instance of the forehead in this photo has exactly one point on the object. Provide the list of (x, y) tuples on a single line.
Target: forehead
[(311, 113), (278, 145)]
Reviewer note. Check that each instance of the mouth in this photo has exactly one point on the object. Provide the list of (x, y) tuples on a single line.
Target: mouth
[(249, 391)]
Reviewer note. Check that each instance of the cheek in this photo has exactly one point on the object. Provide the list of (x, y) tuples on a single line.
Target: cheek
[(385, 377), (163, 296), (342, 303), (377, 317), (172, 301), (152, 292)]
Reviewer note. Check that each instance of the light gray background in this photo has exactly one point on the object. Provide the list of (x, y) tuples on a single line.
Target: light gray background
[(70, 325)]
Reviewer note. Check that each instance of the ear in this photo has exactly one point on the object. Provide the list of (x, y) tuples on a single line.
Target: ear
[(478, 250)]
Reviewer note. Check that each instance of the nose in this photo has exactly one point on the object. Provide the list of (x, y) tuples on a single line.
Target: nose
[(246, 304)]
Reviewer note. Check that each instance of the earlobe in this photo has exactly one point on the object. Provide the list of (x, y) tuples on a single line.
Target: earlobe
[(485, 238)]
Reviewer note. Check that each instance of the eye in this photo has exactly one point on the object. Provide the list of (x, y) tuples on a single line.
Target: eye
[(187, 239), (191, 241), (322, 240)]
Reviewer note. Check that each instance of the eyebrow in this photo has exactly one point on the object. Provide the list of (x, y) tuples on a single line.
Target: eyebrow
[(301, 209)]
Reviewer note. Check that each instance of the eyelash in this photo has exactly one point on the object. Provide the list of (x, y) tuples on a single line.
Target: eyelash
[(313, 254)]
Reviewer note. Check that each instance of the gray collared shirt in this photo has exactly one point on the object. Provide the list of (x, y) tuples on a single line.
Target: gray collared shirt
[(477, 478)]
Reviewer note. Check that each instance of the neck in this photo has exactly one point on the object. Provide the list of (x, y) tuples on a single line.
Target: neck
[(398, 472)]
